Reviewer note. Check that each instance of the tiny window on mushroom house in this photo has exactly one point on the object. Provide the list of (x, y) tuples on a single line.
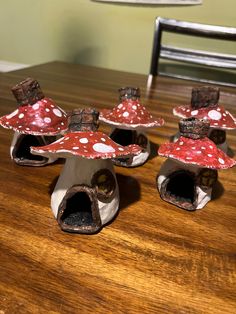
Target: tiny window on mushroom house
[(128, 120), (37, 121), (187, 177), (205, 105), (86, 196)]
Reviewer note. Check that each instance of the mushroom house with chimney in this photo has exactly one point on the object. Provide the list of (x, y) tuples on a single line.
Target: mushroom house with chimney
[(187, 177), (86, 196), (37, 121), (205, 105), (129, 120)]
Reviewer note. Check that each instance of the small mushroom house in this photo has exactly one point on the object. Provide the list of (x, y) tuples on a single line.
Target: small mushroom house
[(86, 196), (129, 120), (205, 105), (187, 177), (37, 121)]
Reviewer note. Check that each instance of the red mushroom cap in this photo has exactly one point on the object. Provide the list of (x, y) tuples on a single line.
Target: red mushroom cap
[(91, 145), (130, 114), (42, 118), (218, 117), (201, 152)]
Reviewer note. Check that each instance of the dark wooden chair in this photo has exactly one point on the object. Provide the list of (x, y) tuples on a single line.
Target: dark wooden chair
[(197, 57)]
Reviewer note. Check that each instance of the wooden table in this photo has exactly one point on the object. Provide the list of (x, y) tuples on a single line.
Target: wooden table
[(154, 258)]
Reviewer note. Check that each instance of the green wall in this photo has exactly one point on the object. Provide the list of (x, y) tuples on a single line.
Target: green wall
[(101, 34)]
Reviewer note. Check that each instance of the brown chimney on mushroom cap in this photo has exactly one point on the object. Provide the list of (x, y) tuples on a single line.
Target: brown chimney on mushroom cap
[(84, 120), (27, 92), (205, 96), (129, 93), (194, 128)]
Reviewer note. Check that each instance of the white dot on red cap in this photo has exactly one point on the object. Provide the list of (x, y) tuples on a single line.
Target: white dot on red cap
[(35, 106), (193, 147), (178, 148), (125, 114), (211, 146), (9, 116), (203, 147), (134, 107), (83, 140), (62, 123), (103, 139), (19, 126), (189, 157), (181, 143), (120, 148), (218, 109), (61, 142), (75, 147), (224, 125), (215, 123), (221, 161), (103, 148), (120, 106), (47, 109), (66, 138), (214, 115), (188, 110), (57, 112), (224, 114), (209, 155), (27, 129), (199, 152), (47, 120), (7, 122), (194, 112)]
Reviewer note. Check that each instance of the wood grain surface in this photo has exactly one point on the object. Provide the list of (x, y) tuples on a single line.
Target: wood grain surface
[(154, 258)]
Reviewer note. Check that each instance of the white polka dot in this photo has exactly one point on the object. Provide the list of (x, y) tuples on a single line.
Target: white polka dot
[(224, 125), (203, 147), (211, 146), (178, 148), (83, 140), (221, 161), (199, 152), (27, 129), (47, 120), (62, 123), (134, 107), (47, 109), (57, 112), (181, 143), (75, 147), (188, 110), (121, 149), (35, 106), (120, 106), (19, 126), (125, 114), (214, 115), (7, 122), (66, 138), (21, 116), (103, 139), (193, 147), (215, 123), (209, 155), (194, 112), (11, 115), (224, 114), (103, 148), (218, 109), (189, 158), (61, 142)]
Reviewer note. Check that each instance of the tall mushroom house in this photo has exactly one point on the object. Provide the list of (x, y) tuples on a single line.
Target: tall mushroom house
[(129, 120), (205, 105), (86, 195), (37, 121), (187, 177)]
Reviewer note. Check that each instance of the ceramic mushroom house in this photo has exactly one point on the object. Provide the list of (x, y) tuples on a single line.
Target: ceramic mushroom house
[(37, 121), (129, 119), (86, 195), (187, 177), (205, 105)]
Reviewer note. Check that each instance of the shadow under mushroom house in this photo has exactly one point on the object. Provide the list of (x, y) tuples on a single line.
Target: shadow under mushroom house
[(205, 105), (187, 177), (129, 120), (86, 196), (37, 121)]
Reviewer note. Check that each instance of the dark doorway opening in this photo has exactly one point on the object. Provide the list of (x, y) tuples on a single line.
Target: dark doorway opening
[(181, 187), (123, 137), (78, 210)]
